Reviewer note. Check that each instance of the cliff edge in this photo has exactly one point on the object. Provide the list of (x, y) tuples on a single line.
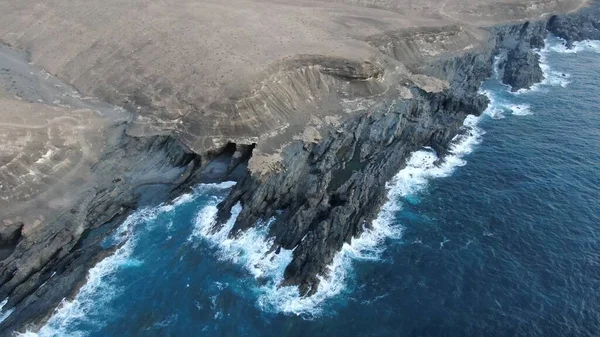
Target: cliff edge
[(312, 106)]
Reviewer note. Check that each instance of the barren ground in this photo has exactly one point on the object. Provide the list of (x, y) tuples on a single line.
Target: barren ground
[(216, 71), (210, 72)]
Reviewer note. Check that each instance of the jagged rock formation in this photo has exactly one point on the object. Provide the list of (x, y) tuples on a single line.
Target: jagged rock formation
[(328, 106), (69, 176), (583, 25), (329, 191), (522, 69)]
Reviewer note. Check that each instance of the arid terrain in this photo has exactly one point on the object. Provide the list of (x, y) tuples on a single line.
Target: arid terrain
[(242, 71), (101, 98)]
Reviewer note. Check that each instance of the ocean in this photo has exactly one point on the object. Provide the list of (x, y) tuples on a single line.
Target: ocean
[(502, 239)]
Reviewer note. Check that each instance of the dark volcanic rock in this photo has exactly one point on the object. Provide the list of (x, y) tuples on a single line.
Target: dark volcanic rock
[(329, 192), (522, 65), (584, 25), (522, 69), (10, 233)]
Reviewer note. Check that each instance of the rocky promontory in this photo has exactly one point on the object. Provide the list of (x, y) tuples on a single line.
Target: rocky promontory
[(144, 99)]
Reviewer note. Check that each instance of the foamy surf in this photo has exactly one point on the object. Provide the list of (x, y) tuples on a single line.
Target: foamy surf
[(421, 167), (100, 288), (519, 109), (97, 290), (553, 77), (498, 107), (560, 46), (251, 249), (4, 313)]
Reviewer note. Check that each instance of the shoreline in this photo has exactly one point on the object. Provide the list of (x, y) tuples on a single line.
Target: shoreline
[(248, 184), (320, 218)]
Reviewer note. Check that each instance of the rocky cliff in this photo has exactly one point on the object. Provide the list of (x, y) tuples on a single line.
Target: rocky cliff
[(328, 191), (521, 66), (320, 135), (69, 175)]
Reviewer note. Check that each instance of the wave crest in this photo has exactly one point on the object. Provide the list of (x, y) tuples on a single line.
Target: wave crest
[(252, 248)]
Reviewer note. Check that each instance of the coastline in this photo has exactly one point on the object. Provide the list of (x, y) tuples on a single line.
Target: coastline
[(390, 146), (320, 211)]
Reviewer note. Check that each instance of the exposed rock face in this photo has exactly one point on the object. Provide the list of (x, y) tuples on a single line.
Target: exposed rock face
[(334, 114), (583, 25), (328, 192), (69, 176), (522, 69)]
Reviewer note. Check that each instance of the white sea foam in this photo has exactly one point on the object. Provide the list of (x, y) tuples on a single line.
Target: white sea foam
[(100, 288), (519, 109), (96, 292), (498, 107), (495, 109), (4, 314), (251, 249), (496, 65), (421, 167), (553, 77), (587, 45)]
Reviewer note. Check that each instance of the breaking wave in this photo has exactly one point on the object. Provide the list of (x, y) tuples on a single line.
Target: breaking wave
[(251, 249), (4, 314), (560, 46), (552, 77), (73, 318), (500, 106)]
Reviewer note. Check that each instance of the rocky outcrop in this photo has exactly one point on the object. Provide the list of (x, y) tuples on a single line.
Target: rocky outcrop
[(583, 25), (521, 66), (328, 192), (327, 185), (331, 190), (522, 69)]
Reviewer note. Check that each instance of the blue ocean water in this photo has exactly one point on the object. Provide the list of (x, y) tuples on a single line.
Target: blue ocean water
[(503, 239)]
